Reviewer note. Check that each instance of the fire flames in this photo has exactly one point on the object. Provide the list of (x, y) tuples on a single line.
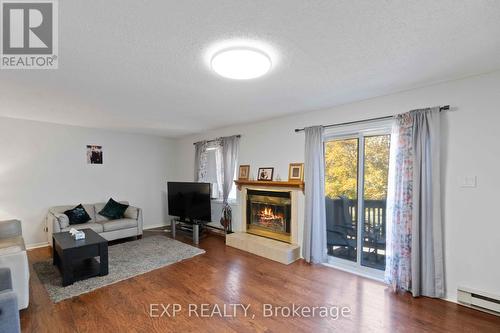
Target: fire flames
[(268, 218), (268, 214)]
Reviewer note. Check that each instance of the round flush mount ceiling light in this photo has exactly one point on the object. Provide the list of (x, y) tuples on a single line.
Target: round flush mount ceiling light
[(241, 63)]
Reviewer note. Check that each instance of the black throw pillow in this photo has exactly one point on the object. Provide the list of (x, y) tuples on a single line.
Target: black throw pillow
[(77, 215), (113, 210)]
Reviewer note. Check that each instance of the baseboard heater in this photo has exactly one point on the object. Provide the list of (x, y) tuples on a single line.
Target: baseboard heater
[(479, 300)]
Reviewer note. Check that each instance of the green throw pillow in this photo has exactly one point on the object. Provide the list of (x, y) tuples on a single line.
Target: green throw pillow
[(113, 210), (77, 215)]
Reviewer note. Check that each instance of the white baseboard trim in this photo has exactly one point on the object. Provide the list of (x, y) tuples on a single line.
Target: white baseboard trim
[(36, 245), (155, 226), (448, 299)]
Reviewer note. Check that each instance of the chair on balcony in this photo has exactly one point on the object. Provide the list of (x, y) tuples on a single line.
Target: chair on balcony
[(341, 231), (376, 240)]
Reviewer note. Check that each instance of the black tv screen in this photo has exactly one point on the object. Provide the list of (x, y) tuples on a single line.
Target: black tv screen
[(189, 200)]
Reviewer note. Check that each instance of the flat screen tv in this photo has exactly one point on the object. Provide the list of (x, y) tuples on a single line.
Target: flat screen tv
[(189, 201)]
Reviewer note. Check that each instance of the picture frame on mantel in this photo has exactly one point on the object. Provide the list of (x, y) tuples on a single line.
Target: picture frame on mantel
[(296, 172), (244, 172), (265, 174)]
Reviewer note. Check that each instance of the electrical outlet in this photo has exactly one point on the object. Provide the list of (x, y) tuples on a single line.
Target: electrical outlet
[(468, 181)]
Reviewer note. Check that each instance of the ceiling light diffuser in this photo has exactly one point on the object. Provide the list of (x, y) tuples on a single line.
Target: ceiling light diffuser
[(241, 63)]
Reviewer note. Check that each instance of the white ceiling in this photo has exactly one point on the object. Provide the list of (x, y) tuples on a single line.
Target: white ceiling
[(140, 66)]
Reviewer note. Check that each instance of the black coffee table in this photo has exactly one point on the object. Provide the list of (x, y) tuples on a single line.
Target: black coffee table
[(76, 258)]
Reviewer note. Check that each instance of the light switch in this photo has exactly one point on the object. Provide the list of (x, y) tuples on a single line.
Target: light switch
[(469, 181)]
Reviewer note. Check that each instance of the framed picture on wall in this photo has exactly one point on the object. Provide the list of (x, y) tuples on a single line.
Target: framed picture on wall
[(94, 154), (296, 172), (265, 174), (244, 172)]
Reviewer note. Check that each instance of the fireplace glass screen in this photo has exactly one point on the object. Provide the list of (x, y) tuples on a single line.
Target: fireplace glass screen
[(269, 214)]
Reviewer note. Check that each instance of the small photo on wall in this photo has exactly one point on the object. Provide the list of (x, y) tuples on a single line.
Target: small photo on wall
[(244, 172), (94, 154), (265, 174), (296, 172)]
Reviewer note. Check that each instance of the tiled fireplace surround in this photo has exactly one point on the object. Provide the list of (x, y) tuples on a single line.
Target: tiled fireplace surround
[(286, 250)]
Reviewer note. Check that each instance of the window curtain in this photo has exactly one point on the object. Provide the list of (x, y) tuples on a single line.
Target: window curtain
[(415, 240), (314, 242), (200, 161)]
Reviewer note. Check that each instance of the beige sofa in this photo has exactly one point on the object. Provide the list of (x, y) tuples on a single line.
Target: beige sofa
[(129, 226)]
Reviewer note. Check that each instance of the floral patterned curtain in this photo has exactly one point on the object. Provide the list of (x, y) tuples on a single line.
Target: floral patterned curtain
[(414, 258), (399, 204)]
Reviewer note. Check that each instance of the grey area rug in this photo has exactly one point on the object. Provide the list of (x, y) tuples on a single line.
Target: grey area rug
[(125, 261)]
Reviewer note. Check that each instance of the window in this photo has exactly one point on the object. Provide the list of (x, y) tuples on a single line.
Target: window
[(356, 175), (214, 172), (214, 167)]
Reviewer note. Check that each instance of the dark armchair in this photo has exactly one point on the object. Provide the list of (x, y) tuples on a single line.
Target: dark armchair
[(340, 228)]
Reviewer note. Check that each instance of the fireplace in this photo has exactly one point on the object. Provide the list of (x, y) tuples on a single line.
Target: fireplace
[(269, 214)]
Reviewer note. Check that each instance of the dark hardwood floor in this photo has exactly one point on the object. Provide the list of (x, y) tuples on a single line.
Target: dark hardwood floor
[(227, 275)]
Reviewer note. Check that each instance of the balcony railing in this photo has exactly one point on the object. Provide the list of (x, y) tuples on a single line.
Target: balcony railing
[(341, 225), (374, 214)]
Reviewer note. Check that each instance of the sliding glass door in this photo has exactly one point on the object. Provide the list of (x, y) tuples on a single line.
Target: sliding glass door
[(356, 171), (341, 190)]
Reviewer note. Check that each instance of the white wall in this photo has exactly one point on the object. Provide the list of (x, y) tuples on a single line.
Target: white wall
[(470, 148), (43, 165)]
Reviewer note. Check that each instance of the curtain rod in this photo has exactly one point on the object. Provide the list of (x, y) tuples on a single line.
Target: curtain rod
[(238, 136), (442, 108)]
